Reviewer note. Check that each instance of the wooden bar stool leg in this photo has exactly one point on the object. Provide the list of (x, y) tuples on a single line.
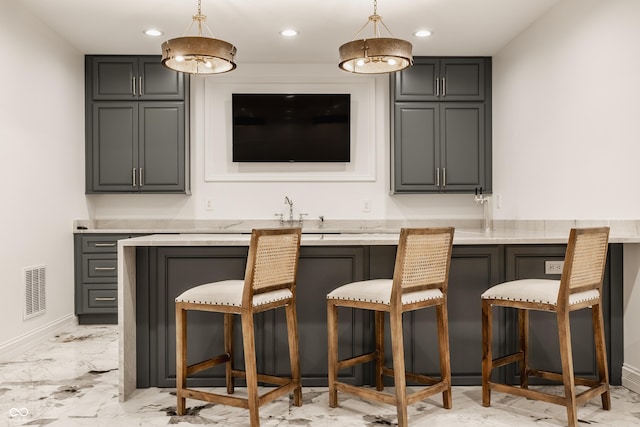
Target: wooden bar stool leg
[(445, 362), (228, 348), (294, 355), (250, 367), (601, 353), (181, 358), (379, 332), (523, 333), (397, 345), (487, 361), (332, 330), (564, 334)]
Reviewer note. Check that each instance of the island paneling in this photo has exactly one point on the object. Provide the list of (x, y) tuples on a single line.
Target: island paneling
[(162, 273)]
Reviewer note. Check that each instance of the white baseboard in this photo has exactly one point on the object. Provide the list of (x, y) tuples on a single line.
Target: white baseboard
[(631, 378), (19, 345)]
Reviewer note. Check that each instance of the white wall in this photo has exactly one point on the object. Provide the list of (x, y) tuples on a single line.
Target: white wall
[(567, 131), (565, 114), (41, 166)]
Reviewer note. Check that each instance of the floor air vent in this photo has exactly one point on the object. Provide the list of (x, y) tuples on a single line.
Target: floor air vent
[(35, 295)]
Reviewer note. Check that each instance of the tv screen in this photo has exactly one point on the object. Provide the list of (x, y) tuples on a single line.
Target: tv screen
[(291, 127)]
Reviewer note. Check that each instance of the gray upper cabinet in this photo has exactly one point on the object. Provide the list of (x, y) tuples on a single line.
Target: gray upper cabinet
[(129, 78), (439, 146), (441, 139), (442, 79), (137, 128)]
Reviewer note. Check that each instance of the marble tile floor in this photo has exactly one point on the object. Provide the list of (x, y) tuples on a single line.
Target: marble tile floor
[(72, 380)]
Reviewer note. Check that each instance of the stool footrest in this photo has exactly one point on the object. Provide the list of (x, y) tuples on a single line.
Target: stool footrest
[(356, 360), (410, 376), (208, 364)]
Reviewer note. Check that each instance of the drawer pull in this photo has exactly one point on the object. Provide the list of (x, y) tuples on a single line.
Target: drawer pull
[(101, 245), (104, 268), (104, 298)]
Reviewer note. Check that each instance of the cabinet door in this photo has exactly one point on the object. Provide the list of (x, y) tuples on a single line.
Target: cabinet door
[(157, 82), (173, 271), (473, 270), (114, 149), (127, 78), (416, 147), (161, 147), (441, 79), (320, 270), (462, 138), (528, 262), (462, 79), (113, 77), (420, 82)]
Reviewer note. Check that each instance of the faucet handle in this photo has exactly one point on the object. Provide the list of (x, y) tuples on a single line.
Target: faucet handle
[(280, 217), (300, 218)]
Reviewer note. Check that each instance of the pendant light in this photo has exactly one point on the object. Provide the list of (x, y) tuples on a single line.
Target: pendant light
[(198, 54), (376, 55)]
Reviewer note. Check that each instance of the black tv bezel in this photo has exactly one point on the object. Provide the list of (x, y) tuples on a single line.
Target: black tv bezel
[(337, 156)]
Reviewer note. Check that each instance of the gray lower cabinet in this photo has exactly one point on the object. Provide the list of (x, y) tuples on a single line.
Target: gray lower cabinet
[(163, 273), (439, 147), (137, 147), (96, 277)]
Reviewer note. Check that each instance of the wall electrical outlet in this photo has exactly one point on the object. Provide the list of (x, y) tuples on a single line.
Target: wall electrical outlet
[(553, 267), (366, 206), (208, 205)]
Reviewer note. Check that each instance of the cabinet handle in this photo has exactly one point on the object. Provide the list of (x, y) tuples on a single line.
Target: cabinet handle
[(437, 86), (104, 299), (105, 244), (104, 268), (444, 87), (133, 86), (437, 177), (140, 85), (141, 181), (444, 177), (133, 176)]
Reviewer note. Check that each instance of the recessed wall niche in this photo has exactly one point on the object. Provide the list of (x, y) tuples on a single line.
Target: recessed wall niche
[(218, 130)]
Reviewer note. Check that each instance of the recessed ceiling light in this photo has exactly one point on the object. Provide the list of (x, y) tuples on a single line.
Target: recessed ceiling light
[(289, 32), (422, 33), (153, 32)]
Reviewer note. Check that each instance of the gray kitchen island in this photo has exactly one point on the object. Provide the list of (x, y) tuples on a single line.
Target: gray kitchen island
[(153, 269)]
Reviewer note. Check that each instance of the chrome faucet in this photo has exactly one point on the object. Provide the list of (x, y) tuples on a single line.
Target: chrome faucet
[(289, 202), (290, 220)]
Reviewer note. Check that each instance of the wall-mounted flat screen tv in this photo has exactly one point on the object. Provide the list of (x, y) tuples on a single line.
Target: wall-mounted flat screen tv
[(291, 127)]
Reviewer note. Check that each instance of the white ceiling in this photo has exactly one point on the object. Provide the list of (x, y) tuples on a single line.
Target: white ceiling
[(460, 27)]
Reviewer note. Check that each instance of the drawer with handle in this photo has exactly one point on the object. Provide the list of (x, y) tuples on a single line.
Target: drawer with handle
[(99, 268), (97, 299), (101, 244)]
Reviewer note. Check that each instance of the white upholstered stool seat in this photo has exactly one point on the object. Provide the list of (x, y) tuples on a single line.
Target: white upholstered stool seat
[(579, 288), (379, 291), (229, 292), (420, 280), (269, 283), (543, 291)]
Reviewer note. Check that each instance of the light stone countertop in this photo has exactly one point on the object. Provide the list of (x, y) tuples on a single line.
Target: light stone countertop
[(350, 232)]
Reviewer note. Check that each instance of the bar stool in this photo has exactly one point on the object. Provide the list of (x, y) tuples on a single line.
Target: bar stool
[(420, 280), (580, 287), (269, 283)]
